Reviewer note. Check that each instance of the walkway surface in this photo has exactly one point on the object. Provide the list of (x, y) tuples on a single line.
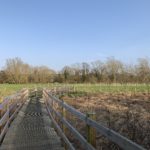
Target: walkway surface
[(32, 128)]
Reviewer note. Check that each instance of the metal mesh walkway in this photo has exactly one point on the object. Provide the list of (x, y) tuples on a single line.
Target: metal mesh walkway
[(32, 129)]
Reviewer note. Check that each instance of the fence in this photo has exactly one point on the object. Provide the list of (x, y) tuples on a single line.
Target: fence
[(93, 127), (9, 108)]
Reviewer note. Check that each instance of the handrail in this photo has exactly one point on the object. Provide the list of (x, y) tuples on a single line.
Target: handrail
[(9, 108), (113, 136), (74, 131), (60, 131)]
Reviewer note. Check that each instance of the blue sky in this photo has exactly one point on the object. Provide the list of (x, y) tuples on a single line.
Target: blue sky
[(62, 32)]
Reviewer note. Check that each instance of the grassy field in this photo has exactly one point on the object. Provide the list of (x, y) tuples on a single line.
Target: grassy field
[(112, 88), (121, 107), (8, 89)]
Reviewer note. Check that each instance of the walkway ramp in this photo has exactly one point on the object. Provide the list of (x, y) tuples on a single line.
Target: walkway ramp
[(32, 128)]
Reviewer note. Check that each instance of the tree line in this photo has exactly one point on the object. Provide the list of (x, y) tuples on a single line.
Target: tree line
[(111, 71)]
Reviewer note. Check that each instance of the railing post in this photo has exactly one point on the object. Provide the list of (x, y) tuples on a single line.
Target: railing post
[(27, 94), (91, 132), (0, 118), (54, 108), (9, 115), (64, 113)]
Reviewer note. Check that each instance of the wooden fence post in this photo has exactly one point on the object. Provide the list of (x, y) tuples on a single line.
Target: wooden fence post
[(0, 118), (91, 132), (64, 113), (8, 109)]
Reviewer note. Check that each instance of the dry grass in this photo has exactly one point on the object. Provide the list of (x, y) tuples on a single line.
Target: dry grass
[(127, 114)]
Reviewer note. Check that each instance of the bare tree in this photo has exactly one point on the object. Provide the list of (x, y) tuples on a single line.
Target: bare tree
[(114, 68), (98, 69), (3, 77), (14, 69), (143, 69), (85, 71), (67, 72)]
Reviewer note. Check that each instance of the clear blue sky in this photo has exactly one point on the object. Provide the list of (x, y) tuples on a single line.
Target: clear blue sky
[(60, 32)]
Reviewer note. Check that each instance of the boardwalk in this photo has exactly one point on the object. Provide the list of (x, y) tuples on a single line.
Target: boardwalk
[(32, 129)]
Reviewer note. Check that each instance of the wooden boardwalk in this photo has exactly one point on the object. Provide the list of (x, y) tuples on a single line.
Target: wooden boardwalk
[(32, 128)]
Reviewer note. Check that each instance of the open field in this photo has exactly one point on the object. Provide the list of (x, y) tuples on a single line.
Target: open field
[(112, 88), (7, 89), (89, 88), (127, 114), (124, 108)]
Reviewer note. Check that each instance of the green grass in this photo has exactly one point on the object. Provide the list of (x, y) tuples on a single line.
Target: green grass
[(8, 89), (112, 88)]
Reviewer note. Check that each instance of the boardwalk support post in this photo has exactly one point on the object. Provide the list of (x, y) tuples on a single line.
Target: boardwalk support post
[(91, 132), (0, 118), (64, 113)]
